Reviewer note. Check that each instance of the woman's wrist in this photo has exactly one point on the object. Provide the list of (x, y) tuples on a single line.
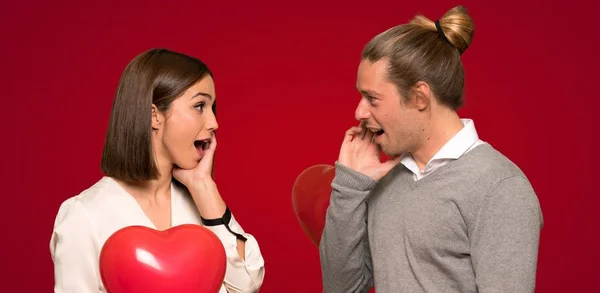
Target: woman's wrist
[(207, 199), (203, 186)]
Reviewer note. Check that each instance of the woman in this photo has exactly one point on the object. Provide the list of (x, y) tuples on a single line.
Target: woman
[(162, 127)]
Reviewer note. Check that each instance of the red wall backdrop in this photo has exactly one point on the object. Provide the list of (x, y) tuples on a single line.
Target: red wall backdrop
[(285, 75)]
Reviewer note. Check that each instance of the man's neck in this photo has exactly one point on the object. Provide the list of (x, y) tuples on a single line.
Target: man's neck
[(441, 129)]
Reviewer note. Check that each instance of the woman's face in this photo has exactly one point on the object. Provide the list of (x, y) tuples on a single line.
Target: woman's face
[(184, 131)]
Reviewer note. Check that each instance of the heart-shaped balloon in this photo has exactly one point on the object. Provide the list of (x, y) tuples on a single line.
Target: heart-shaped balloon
[(310, 199), (185, 259)]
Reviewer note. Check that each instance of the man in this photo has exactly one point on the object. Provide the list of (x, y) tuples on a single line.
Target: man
[(448, 212)]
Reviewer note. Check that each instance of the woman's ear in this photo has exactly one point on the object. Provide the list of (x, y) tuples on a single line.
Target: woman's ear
[(157, 118)]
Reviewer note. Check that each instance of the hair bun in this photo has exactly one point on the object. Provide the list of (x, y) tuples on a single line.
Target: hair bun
[(458, 28)]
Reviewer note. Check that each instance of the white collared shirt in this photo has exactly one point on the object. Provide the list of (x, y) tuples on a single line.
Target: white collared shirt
[(84, 223), (461, 143)]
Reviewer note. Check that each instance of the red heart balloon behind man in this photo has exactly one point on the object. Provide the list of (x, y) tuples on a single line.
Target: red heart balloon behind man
[(310, 199), (184, 259)]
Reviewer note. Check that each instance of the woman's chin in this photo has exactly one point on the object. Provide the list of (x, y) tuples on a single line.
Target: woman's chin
[(188, 165)]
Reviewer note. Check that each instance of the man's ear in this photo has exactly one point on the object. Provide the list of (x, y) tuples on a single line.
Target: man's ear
[(422, 95), (157, 118)]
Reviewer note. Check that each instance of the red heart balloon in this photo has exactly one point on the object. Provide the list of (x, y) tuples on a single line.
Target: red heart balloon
[(184, 259), (310, 199)]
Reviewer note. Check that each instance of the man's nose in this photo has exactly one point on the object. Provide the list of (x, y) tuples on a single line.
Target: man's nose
[(362, 111)]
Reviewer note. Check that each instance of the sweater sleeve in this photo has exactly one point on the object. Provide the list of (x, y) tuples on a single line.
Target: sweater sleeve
[(344, 252), (506, 237)]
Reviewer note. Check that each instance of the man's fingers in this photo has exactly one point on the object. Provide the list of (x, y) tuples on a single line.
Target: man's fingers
[(351, 133), (391, 163), (363, 130), (349, 136), (369, 135)]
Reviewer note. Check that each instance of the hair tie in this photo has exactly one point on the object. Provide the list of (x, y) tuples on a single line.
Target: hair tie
[(441, 32)]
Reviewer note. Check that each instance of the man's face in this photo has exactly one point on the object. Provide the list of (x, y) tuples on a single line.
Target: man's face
[(398, 126)]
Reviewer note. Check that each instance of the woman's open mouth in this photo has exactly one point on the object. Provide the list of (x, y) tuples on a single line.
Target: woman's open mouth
[(202, 145)]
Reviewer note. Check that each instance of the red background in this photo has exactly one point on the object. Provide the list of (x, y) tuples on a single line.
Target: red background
[(285, 76)]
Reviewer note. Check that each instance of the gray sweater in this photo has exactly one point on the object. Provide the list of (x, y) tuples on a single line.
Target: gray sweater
[(473, 225)]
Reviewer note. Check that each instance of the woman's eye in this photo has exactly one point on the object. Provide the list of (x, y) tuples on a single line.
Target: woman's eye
[(200, 106)]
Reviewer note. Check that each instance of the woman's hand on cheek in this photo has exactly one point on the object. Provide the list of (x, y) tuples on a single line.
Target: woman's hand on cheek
[(202, 172)]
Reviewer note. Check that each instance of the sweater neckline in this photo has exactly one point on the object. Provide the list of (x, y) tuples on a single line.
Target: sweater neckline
[(441, 170)]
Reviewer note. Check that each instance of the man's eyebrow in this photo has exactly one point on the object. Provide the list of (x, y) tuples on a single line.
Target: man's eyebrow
[(369, 93)]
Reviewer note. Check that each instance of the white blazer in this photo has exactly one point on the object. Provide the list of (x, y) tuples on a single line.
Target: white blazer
[(85, 221)]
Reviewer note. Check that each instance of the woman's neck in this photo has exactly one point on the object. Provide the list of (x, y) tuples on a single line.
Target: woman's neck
[(154, 189)]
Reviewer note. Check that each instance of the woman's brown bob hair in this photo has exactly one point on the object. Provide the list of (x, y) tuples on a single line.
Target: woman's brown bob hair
[(158, 77)]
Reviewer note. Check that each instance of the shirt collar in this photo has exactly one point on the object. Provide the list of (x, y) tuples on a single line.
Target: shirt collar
[(459, 143), (453, 149)]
